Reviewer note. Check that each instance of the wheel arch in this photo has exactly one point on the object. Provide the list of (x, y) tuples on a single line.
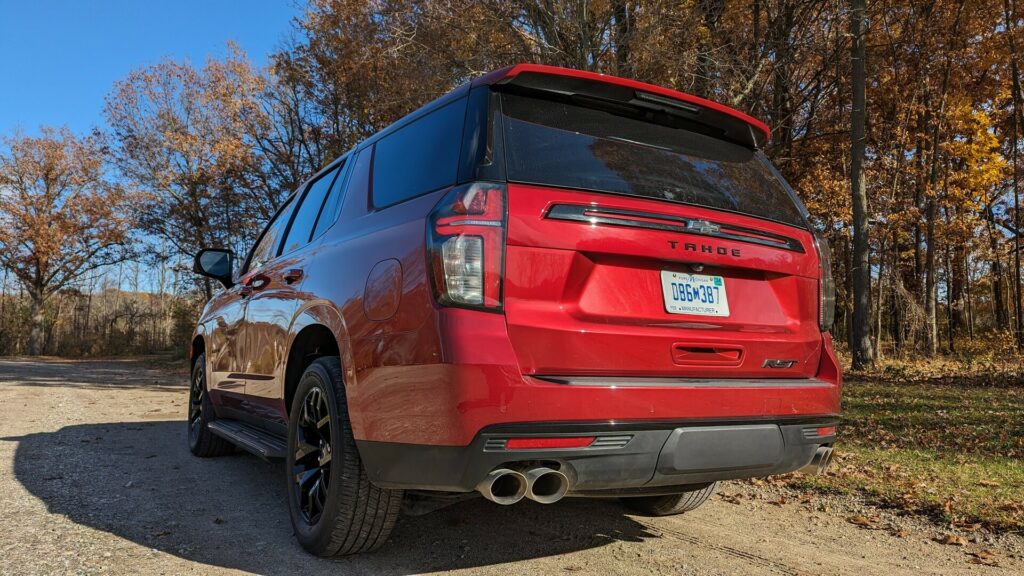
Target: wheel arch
[(318, 331), (196, 348)]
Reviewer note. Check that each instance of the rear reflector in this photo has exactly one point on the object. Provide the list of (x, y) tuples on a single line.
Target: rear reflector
[(827, 431), (556, 442)]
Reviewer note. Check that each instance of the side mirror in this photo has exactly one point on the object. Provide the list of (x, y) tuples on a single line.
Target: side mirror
[(215, 263)]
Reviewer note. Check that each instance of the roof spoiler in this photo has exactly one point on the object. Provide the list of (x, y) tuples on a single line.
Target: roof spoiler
[(732, 124)]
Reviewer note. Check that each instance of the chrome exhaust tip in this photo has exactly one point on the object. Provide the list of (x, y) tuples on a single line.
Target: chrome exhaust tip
[(819, 463), (545, 485), (503, 486)]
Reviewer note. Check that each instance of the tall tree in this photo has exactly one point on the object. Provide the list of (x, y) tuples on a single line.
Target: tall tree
[(61, 217), (863, 355), (180, 134), (1017, 123)]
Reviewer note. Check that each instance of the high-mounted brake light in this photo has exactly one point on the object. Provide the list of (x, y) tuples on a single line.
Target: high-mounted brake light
[(826, 285), (466, 243)]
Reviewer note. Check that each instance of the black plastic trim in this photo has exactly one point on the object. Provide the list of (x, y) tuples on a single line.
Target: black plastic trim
[(250, 438), (659, 453), (591, 214)]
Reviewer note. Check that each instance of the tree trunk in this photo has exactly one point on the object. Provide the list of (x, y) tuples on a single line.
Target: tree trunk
[(999, 309), (863, 356), (711, 13), (623, 35), (1009, 14), (37, 333), (930, 285)]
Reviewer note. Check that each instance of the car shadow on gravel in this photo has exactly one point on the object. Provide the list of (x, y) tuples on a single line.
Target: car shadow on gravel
[(139, 482)]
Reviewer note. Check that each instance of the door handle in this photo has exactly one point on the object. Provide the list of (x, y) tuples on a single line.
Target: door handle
[(254, 284), (292, 276)]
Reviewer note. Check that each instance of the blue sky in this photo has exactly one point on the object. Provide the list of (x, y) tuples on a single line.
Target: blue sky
[(59, 58)]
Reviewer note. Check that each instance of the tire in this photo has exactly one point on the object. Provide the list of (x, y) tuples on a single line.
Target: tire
[(672, 503), (350, 515), (201, 441)]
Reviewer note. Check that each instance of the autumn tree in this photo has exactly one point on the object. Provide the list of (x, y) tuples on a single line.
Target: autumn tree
[(180, 135), (61, 216)]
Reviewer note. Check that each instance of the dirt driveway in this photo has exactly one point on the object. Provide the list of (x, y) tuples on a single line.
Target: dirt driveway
[(95, 477)]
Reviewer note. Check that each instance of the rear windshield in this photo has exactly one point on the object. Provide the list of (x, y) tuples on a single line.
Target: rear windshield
[(563, 144)]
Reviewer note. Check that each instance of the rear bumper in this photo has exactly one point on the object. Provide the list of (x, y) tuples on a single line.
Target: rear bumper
[(479, 385), (625, 458)]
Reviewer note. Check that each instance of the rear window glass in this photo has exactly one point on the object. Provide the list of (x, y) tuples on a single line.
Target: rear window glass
[(563, 144), (420, 157)]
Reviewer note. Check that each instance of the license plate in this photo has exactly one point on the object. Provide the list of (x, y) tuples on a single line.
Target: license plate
[(695, 294)]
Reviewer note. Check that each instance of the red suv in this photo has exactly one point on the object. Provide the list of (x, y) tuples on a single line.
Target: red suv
[(546, 283)]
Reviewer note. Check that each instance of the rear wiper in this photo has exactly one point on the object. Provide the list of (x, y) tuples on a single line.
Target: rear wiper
[(645, 144)]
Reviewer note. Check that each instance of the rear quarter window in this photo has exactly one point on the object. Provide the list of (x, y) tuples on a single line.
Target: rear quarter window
[(419, 157)]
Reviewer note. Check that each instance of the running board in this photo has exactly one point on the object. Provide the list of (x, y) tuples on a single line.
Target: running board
[(250, 438)]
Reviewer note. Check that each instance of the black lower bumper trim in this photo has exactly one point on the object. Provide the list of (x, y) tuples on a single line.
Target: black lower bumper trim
[(654, 455)]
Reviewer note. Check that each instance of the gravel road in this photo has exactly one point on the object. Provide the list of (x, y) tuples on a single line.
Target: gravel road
[(96, 478)]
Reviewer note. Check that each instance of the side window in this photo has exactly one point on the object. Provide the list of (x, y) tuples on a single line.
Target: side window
[(309, 208), (266, 248), (419, 157), (329, 213)]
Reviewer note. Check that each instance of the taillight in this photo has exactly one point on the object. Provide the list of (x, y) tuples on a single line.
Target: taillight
[(466, 243), (826, 285)]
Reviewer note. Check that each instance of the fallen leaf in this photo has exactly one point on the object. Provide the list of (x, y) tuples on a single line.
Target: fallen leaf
[(989, 483), (731, 498), (952, 540), (864, 521)]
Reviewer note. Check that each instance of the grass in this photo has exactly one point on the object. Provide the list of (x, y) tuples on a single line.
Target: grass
[(946, 441)]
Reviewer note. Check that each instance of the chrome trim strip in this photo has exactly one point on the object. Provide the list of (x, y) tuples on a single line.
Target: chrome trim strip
[(684, 382), (620, 217)]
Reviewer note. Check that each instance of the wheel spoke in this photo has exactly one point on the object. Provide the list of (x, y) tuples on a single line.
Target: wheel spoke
[(312, 493), (305, 449), (303, 478)]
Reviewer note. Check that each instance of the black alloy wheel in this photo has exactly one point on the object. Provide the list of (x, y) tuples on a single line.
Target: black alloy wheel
[(201, 440), (311, 447), (195, 407)]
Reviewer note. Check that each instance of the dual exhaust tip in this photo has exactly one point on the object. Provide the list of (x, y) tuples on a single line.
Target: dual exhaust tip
[(506, 486), (819, 463)]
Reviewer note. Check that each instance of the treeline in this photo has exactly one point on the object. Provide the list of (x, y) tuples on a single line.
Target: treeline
[(203, 154), (99, 319)]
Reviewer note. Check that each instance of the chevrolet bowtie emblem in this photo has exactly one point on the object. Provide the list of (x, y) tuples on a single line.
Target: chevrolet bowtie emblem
[(703, 227)]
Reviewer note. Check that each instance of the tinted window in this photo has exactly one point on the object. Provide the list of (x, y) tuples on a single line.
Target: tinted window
[(333, 203), (305, 215), (563, 144), (420, 157), (266, 248)]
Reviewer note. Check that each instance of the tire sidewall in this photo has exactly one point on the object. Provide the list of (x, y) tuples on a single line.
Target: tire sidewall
[(316, 536), (204, 413)]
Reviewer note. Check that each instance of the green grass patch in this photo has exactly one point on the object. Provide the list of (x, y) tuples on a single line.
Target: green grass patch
[(949, 448)]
